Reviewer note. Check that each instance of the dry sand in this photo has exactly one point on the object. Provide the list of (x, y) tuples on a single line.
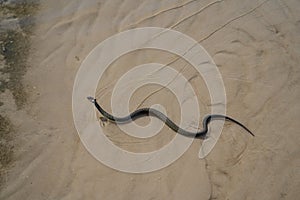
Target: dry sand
[(256, 46)]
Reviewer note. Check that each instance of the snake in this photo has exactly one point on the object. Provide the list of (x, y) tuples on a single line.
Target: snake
[(156, 113)]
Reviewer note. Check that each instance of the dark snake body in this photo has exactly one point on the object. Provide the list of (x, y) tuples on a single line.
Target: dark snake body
[(155, 113)]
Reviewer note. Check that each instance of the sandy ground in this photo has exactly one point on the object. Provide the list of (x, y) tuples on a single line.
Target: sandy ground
[(256, 46)]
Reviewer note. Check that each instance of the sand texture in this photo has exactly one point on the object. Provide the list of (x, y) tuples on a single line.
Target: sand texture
[(254, 43)]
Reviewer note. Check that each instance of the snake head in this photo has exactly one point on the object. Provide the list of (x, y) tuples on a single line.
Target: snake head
[(91, 99)]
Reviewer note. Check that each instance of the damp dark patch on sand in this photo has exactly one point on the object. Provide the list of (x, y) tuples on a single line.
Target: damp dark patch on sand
[(16, 23), (6, 145), (14, 47), (22, 10)]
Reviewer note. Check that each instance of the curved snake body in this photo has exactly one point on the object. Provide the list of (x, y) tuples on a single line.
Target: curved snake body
[(155, 113)]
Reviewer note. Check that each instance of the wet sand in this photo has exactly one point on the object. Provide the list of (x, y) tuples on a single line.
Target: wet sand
[(256, 46)]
